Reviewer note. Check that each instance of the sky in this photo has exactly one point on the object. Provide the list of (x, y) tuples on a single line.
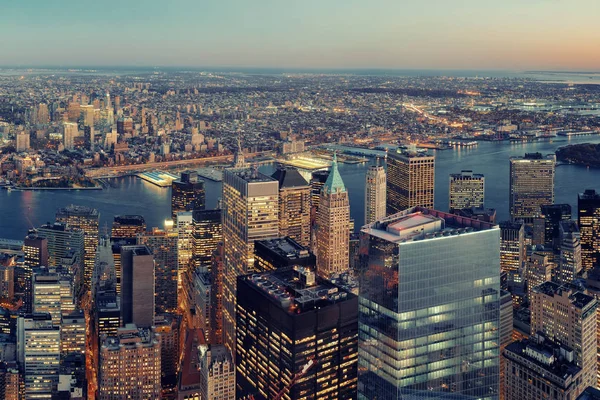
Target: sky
[(400, 34)]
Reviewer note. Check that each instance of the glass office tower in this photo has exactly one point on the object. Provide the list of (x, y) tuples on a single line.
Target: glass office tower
[(429, 307)]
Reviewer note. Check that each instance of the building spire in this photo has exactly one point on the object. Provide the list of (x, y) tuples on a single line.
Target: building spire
[(238, 159), (334, 181)]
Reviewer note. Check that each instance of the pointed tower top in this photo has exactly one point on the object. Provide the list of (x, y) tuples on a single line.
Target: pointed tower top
[(334, 181), (238, 159)]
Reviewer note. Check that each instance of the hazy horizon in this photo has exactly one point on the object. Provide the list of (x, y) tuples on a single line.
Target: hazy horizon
[(539, 35)]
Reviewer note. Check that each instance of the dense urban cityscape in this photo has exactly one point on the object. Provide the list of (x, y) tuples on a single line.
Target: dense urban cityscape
[(272, 289)]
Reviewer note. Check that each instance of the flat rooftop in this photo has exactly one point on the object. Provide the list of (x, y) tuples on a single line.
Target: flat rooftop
[(250, 175), (577, 297), (419, 223), (284, 247), (297, 289)]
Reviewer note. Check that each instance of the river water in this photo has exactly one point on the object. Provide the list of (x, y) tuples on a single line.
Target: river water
[(21, 210)]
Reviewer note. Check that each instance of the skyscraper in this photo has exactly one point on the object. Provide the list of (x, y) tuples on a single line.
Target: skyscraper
[(38, 353), (552, 215), (531, 185), (294, 205), (333, 225), (163, 245), (588, 217), (137, 286), (187, 194), (467, 190), (127, 226), (250, 213), (567, 316), (86, 219), (217, 273), (207, 232), (512, 252), (317, 180), (35, 249), (53, 292), (569, 265), (130, 365), (69, 132), (288, 317), (410, 181), (272, 254), (22, 141), (184, 223), (375, 193), (429, 305)]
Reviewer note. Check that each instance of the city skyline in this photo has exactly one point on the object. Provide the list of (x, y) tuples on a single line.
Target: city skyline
[(383, 34)]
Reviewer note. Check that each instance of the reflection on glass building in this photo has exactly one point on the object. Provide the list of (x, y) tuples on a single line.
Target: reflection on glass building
[(429, 310)]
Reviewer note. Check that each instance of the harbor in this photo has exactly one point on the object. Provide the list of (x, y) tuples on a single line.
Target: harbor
[(158, 178)]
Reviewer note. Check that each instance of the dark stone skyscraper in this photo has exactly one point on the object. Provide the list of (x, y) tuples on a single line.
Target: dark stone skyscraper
[(588, 217), (187, 194)]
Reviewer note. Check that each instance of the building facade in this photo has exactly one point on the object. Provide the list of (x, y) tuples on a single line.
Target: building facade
[(294, 205), (531, 185), (467, 190), (588, 218), (375, 193), (429, 306), (410, 181)]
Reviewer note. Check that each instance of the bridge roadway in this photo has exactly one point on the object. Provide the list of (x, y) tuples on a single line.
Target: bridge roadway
[(119, 170)]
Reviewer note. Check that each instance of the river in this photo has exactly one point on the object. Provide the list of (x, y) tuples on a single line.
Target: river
[(130, 195)]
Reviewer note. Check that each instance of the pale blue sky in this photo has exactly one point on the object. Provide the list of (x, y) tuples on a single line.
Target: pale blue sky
[(436, 34)]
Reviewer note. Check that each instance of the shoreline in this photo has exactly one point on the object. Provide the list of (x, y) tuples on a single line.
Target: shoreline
[(21, 188)]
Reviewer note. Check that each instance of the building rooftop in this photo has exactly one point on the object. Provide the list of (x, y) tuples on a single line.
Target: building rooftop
[(284, 247), (250, 175), (534, 156), (467, 174), (297, 289), (130, 219), (419, 223), (590, 393), (577, 297), (289, 178), (130, 335), (334, 181), (589, 194), (556, 360)]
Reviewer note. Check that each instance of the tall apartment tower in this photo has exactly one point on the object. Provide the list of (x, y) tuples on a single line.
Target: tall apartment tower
[(429, 286), (567, 316), (588, 218), (333, 226), (127, 226), (163, 245), (569, 264), (137, 286), (130, 364), (375, 190), (512, 253), (250, 213), (207, 232), (86, 219), (467, 190), (187, 194), (287, 318), (410, 181), (294, 205), (531, 185), (69, 131), (38, 353)]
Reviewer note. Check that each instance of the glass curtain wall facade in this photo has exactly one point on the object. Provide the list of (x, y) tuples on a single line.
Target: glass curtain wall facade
[(429, 307)]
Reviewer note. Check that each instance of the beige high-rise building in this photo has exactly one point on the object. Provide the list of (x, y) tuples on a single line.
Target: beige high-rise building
[(466, 190), (43, 116), (130, 365), (294, 205), (375, 193), (250, 213), (333, 226), (531, 185), (86, 219), (217, 372), (22, 141), (567, 316), (410, 181), (70, 132)]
